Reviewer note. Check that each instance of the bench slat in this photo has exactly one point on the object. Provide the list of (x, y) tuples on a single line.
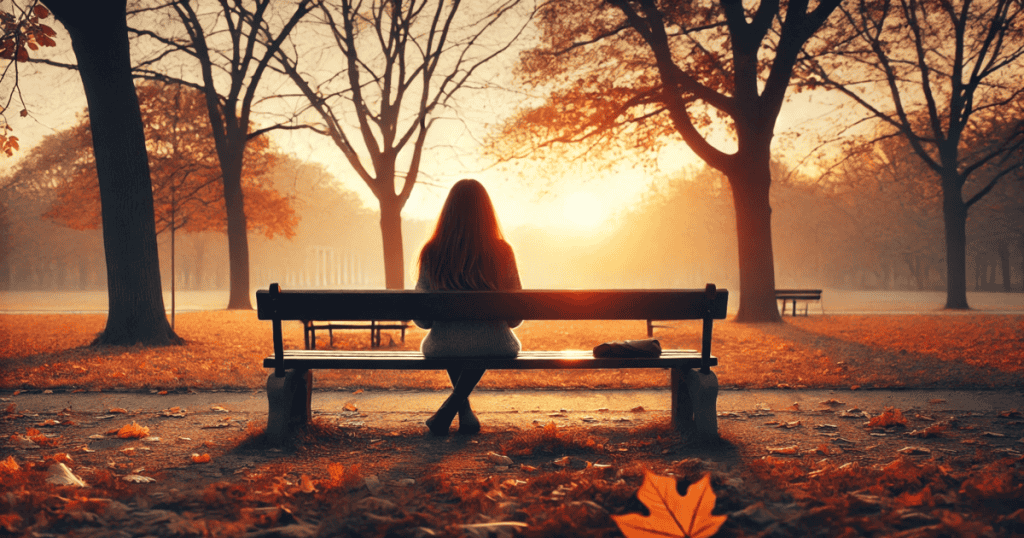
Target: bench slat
[(527, 360)]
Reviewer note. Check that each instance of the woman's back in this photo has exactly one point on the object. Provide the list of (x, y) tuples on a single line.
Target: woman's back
[(467, 252), (473, 338)]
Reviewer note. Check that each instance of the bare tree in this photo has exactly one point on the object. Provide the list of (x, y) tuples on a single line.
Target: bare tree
[(938, 73), (401, 64), (232, 46)]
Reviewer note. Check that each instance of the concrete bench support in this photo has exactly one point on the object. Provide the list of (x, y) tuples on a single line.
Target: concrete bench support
[(695, 402), (289, 398)]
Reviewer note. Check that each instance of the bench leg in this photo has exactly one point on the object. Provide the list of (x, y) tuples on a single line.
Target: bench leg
[(289, 399), (695, 402)]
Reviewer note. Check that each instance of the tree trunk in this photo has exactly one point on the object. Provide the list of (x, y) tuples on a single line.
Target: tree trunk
[(1004, 264), (750, 190), (391, 233), (954, 213), (99, 37), (238, 239)]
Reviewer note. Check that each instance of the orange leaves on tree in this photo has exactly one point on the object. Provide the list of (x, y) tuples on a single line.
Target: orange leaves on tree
[(188, 190), (672, 515), (23, 32)]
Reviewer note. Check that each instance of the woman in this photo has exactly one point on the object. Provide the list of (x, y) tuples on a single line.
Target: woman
[(466, 252)]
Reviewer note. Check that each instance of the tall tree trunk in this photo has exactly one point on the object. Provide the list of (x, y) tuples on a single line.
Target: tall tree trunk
[(391, 233), (750, 190), (238, 239), (954, 216), (1004, 264), (99, 37)]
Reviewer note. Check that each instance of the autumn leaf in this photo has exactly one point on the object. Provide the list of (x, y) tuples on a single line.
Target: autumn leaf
[(890, 417), (133, 431), (672, 515), (205, 458)]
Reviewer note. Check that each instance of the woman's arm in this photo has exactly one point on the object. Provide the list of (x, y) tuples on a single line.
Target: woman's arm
[(513, 281)]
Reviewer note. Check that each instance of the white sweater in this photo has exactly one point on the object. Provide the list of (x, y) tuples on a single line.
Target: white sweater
[(469, 338)]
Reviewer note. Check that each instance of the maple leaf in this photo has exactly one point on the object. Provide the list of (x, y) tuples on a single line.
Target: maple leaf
[(671, 514)]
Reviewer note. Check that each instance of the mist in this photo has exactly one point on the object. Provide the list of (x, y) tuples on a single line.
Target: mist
[(860, 233)]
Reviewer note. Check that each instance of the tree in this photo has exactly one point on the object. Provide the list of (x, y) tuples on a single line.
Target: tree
[(22, 31), (880, 189), (941, 74), (625, 76), (232, 59), (403, 63), (99, 38), (188, 193)]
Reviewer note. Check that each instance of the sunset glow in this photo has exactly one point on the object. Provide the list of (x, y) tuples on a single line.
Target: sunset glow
[(584, 210)]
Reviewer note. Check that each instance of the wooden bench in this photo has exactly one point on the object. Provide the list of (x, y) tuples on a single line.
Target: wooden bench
[(310, 327), (694, 386), (798, 295)]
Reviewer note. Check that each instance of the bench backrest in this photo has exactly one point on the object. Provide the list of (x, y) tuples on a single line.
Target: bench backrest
[(340, 305), (779, 294)]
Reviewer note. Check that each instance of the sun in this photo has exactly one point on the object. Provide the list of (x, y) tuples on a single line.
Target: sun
[(584, 210)]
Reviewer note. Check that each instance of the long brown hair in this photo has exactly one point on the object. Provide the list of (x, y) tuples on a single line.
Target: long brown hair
[(467, 250)]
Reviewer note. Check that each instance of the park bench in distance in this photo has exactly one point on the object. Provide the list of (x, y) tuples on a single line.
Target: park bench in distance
[(310, 327), (289, 387), (798, 295)]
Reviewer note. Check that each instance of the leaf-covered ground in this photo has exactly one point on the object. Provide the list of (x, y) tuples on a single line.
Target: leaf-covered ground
[(777, 472), (225, 351), (830, 471)]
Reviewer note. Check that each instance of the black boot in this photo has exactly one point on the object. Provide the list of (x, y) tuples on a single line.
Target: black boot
[(442, 419), (468, 423)]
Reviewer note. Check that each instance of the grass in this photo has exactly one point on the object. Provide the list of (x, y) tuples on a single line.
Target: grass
[(225, 349)]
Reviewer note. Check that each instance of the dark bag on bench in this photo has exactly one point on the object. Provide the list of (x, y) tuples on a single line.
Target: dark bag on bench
[(628, 348)]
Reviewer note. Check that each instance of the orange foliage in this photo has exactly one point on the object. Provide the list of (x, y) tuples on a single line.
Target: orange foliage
[(21, 32), (188, 192)]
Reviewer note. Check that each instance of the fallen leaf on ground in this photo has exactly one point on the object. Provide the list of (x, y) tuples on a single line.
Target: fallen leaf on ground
[(205, 458), (670, 514), (306, 485), (890, 417), (61, 475), (138, 479), (793, 449), (133, 431), (9, 464)]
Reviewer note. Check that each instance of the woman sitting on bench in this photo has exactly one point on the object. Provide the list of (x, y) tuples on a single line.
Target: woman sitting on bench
[(466, 252)]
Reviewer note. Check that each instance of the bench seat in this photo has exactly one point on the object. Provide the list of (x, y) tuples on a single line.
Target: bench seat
[(527, 360)]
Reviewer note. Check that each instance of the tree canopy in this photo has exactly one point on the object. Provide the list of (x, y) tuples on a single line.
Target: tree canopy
[(188, 193)]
